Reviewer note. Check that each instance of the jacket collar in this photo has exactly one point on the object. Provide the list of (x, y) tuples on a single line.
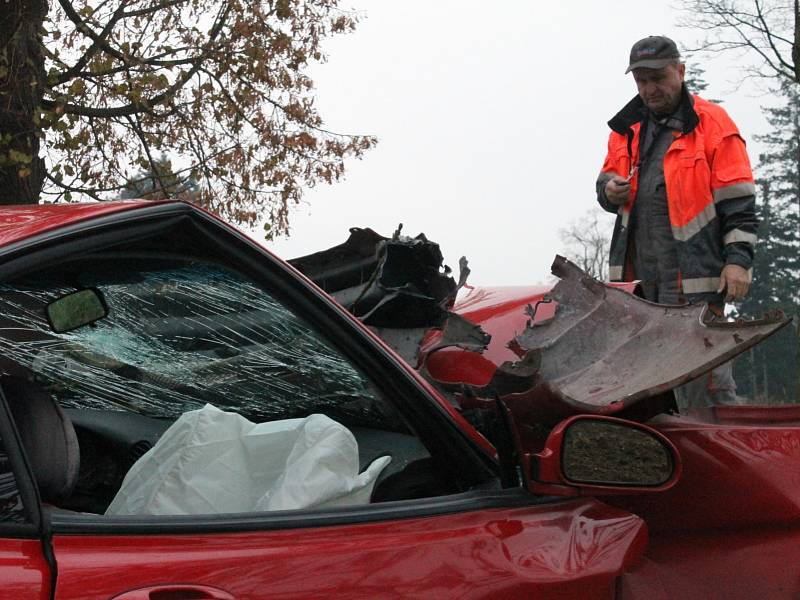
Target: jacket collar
[(635, 111)]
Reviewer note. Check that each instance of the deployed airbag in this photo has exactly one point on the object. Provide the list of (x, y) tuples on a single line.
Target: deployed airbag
[(210, 461)]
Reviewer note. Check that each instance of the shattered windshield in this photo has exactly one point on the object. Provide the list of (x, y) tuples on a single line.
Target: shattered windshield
[(179, 334)]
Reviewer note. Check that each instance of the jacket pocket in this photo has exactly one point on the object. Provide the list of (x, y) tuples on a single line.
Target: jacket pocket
[(692, 188)]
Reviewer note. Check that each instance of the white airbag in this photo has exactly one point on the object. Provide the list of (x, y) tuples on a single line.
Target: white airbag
[(210, 461)]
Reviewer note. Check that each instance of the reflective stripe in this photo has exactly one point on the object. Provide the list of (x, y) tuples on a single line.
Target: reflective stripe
[(700, 285), (737, 235), (737, 190), (615, 273), (694, 226)]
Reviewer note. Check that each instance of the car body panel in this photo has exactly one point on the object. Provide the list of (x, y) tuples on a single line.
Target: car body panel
[(717, 565), (500, 311), (21, 222), (24, 574), (730, 526), (752, 470), (574, 549)]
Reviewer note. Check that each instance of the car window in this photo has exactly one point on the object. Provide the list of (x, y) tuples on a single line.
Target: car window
[(180, 334), (177, 336)]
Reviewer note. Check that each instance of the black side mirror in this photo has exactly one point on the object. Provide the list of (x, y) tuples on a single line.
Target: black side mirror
[(76, 310)]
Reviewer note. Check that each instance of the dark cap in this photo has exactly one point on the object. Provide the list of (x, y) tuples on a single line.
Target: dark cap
[(654, 52)]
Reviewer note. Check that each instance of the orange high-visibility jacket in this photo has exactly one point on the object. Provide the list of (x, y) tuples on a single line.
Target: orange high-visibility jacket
[(709, 187)]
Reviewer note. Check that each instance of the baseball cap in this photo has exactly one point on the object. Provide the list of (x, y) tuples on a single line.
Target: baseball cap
[(653, 52)]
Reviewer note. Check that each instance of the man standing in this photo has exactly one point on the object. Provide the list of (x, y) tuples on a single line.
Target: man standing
[(678, 177)]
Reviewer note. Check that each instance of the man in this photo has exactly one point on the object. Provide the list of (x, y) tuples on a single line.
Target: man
[(678, 176)]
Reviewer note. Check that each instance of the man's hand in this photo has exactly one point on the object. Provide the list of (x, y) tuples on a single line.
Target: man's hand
[(736, 280), (618, 190)]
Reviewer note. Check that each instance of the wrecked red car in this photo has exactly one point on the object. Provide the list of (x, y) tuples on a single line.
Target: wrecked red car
[(185, 416), (520, 362)]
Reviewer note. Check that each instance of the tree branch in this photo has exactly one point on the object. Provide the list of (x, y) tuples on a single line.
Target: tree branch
[(89, 192), (137, 129), (152, 9), (142, 105), (98, 40), (770, 37)]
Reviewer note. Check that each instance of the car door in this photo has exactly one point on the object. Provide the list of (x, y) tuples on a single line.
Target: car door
[(24, 572), (573, 550), (182, 312)]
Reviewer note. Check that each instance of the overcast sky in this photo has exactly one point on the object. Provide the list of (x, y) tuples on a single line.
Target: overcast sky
[(491, 118)]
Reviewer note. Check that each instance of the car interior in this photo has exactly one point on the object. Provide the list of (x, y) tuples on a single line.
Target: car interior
[(174, 333)]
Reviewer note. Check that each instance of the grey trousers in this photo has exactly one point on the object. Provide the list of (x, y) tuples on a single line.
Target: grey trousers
[(714, 388)]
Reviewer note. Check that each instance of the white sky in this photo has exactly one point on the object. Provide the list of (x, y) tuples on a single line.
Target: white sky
[(491, 118)]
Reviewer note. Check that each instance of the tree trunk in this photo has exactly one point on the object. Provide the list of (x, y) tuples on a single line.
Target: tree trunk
[(796, 45), (22, 80)]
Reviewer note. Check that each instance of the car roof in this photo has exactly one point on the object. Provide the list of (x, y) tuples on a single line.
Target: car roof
[(21, 221)]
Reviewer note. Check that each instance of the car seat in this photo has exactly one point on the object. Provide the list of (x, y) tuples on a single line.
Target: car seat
[(48, 438)]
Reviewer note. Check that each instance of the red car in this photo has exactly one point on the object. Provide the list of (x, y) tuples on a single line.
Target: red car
[(120, 321)]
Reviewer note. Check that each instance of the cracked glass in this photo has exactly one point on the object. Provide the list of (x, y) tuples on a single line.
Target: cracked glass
[(180, 333)]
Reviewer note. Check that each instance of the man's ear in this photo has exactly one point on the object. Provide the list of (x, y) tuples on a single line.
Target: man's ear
[(682, 70)]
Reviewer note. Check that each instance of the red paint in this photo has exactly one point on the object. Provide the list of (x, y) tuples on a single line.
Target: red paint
[(24, 574), (734, 476), (730, 528), (571, 550), (175, 592), (500, 311), (713, 564), (20, 222)]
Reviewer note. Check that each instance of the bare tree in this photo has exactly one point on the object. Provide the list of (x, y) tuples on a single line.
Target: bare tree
[(586, 243), (768, 28)]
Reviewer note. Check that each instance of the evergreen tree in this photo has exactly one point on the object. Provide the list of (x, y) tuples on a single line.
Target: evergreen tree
[(770, 371), (695, 80), (161, 182)]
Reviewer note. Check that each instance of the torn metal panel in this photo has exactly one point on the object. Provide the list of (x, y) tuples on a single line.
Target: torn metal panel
[(459, 332), (606, 349), (456, 332), (347, 265), (397, 282), (405, 342)]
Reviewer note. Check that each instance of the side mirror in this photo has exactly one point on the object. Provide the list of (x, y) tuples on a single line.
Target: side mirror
[(76, 310), (595, 455)]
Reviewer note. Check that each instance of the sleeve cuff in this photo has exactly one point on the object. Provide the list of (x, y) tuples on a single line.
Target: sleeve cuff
[(739, 253)]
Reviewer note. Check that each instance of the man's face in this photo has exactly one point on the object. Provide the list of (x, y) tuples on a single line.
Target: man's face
[(660, 89)]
